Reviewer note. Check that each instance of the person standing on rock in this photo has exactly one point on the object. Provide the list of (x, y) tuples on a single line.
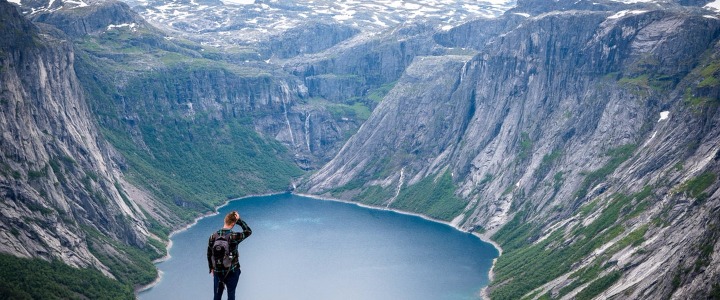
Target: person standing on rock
[(222, 255)]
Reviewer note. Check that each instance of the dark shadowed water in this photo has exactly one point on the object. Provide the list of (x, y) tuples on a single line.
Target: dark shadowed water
[(308, 249)]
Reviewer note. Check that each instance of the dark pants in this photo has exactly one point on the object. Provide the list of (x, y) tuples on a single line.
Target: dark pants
[(231, 281)]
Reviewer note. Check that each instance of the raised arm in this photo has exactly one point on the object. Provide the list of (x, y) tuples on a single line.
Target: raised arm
[(246, 231)]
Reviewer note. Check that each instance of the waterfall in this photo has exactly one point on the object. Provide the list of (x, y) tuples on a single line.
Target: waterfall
[(307, 131), (283, 98)]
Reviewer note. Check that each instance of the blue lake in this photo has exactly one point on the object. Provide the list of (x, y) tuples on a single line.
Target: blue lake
[(302, 248)]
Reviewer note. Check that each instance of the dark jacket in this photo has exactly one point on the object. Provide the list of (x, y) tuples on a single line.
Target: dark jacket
[(234, 240)]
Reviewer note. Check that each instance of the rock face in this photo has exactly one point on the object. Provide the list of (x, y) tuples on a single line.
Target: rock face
[(59, 179), (580, 135), (555, 117), (307, 39)]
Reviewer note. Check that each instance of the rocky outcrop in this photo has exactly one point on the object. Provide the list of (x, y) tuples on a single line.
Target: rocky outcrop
[(60, 181), (358, 66), (92, 19), (557, 116), (307, 38)]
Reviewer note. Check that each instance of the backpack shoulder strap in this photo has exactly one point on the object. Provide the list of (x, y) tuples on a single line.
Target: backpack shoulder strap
[(216, 234), (219, 233)]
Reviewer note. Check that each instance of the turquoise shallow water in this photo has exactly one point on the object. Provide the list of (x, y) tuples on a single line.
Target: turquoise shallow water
[(304, 248)]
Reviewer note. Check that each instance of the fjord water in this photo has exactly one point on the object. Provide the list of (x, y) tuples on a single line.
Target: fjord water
[(303, 248)]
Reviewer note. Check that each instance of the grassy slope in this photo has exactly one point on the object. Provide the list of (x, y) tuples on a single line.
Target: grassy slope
[(192, 164)]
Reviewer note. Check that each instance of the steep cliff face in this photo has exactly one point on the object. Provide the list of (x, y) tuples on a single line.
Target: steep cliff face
[(307, 38), (63, 194), (357, 66), (583, 141)]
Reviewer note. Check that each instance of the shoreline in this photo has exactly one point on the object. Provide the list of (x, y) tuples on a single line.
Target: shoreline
[(186, 227), (491, 273), (482, 293)]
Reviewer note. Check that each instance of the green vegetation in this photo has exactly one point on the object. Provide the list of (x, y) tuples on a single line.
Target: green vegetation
[(598, 286), (644, 76), (696, 187), (375, 195), (435, 198), (635, 238), (589, 207), (581, 277), (487, 179), (199, 164), (530, 296), (703, 96), (699, 102), (516, 233), (710, 75), (192, 163), (376, 169), (32, 174), (356, 110), (378, 94), (546, 165), (641, 80), (525, 146), (715, 292), (130, 265), (8, 170), (617, 157), (22, 278), (525, 266), (706, 251)]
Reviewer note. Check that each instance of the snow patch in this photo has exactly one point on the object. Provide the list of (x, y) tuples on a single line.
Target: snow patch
[(411, 6), (713, 5), (522, 14), (15, 1), (623, 13), (635, 1), (129, 25), (664, 115), (343, 17), (238, 2), (79, 3), (377, 21)]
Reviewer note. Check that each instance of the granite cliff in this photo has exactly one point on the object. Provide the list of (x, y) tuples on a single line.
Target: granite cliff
[(584, 141), (64, 195)]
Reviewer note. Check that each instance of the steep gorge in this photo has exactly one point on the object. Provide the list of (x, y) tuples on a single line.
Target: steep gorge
[(580, 136)]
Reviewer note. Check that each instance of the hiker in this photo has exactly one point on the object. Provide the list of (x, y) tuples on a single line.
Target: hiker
[(222, 255)]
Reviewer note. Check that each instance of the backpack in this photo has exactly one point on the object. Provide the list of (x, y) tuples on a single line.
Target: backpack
[(221, 254)]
